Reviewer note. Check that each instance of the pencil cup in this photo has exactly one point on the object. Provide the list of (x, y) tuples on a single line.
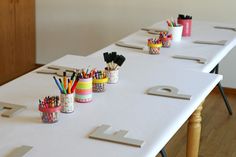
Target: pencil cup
[(154, 48), (187, 26), (83, 91), (50, 115), (67, 103), (166, 42), (99, 84), (112, 75), (176, 32)]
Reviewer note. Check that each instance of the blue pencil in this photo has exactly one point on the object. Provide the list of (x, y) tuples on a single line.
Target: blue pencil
[(58, 84)]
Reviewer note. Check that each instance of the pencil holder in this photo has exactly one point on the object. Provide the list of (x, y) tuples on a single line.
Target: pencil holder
[(67, 103), (187, 26), (112, 75), (155, 48), (99, 84), (166, 42), (176, 33), (83, 92), (50, 115)]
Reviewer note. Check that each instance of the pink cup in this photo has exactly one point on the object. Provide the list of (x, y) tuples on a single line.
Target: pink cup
[(187, 26)]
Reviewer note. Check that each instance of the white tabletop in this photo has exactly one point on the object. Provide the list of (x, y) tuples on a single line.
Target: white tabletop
[(124, 105), (200, 31)]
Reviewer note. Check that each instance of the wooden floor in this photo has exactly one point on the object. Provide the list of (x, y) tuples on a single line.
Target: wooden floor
[(218, 138)]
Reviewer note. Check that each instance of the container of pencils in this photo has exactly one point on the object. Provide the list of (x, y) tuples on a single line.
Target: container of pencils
[(112, 75), (49, 109), (166, 42), (165, 39), (186, 22), (154, 46), (67, 88), (114, 62), (99, 81), (176, 32), (84, 91), (67, 103)]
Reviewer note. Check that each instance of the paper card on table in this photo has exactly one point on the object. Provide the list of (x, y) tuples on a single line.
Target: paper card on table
[(154, 30), (122, 44), (11, 109), (198, 59), (57, 67), (221, 42), (117, 137), (57, 70), (20, 152), (167, 91), (54, 72), (228, 28)]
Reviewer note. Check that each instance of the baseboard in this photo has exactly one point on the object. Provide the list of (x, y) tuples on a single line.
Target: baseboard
[(227, 90)]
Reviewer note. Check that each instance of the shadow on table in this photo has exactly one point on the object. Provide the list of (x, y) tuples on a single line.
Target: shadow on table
[(24, 120)]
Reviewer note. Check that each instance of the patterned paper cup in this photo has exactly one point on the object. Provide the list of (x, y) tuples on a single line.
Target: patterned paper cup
[(155, 48), (113, 76), (166, 42), (67, 103)]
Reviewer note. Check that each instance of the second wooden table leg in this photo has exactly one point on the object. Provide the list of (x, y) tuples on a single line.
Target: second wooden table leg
[(194, 133)]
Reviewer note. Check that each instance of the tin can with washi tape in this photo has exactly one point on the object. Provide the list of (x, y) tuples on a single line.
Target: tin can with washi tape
[(84, 91), (99, 84), (50, 115), (155, 48)]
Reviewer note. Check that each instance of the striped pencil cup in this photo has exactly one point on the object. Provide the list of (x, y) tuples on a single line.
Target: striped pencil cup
[(84, 91), (67, 103), (99, 84)]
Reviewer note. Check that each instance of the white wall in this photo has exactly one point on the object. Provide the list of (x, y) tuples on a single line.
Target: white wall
[(84, 26)]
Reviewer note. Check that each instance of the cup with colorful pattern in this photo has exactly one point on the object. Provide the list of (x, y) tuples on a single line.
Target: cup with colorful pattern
[(84, 91)]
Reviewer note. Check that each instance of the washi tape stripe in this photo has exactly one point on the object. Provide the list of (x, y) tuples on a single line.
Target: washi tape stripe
[(83, 96), (84, 86), (83, 100), (104, 80), (85, 80), (83, 92)]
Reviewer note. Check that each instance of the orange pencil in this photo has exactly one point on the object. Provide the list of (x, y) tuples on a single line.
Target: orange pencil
[(84, 74), (75, 83), (64, 79), (69, 87)]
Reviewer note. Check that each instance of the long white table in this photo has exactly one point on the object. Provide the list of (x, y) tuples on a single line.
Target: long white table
[(212, 53), (200, 31), (124, 105)]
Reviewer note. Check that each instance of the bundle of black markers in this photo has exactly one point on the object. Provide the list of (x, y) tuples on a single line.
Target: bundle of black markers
[(181, 16)]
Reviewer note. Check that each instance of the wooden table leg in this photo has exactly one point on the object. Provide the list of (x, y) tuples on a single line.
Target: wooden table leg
[(194, 133)]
